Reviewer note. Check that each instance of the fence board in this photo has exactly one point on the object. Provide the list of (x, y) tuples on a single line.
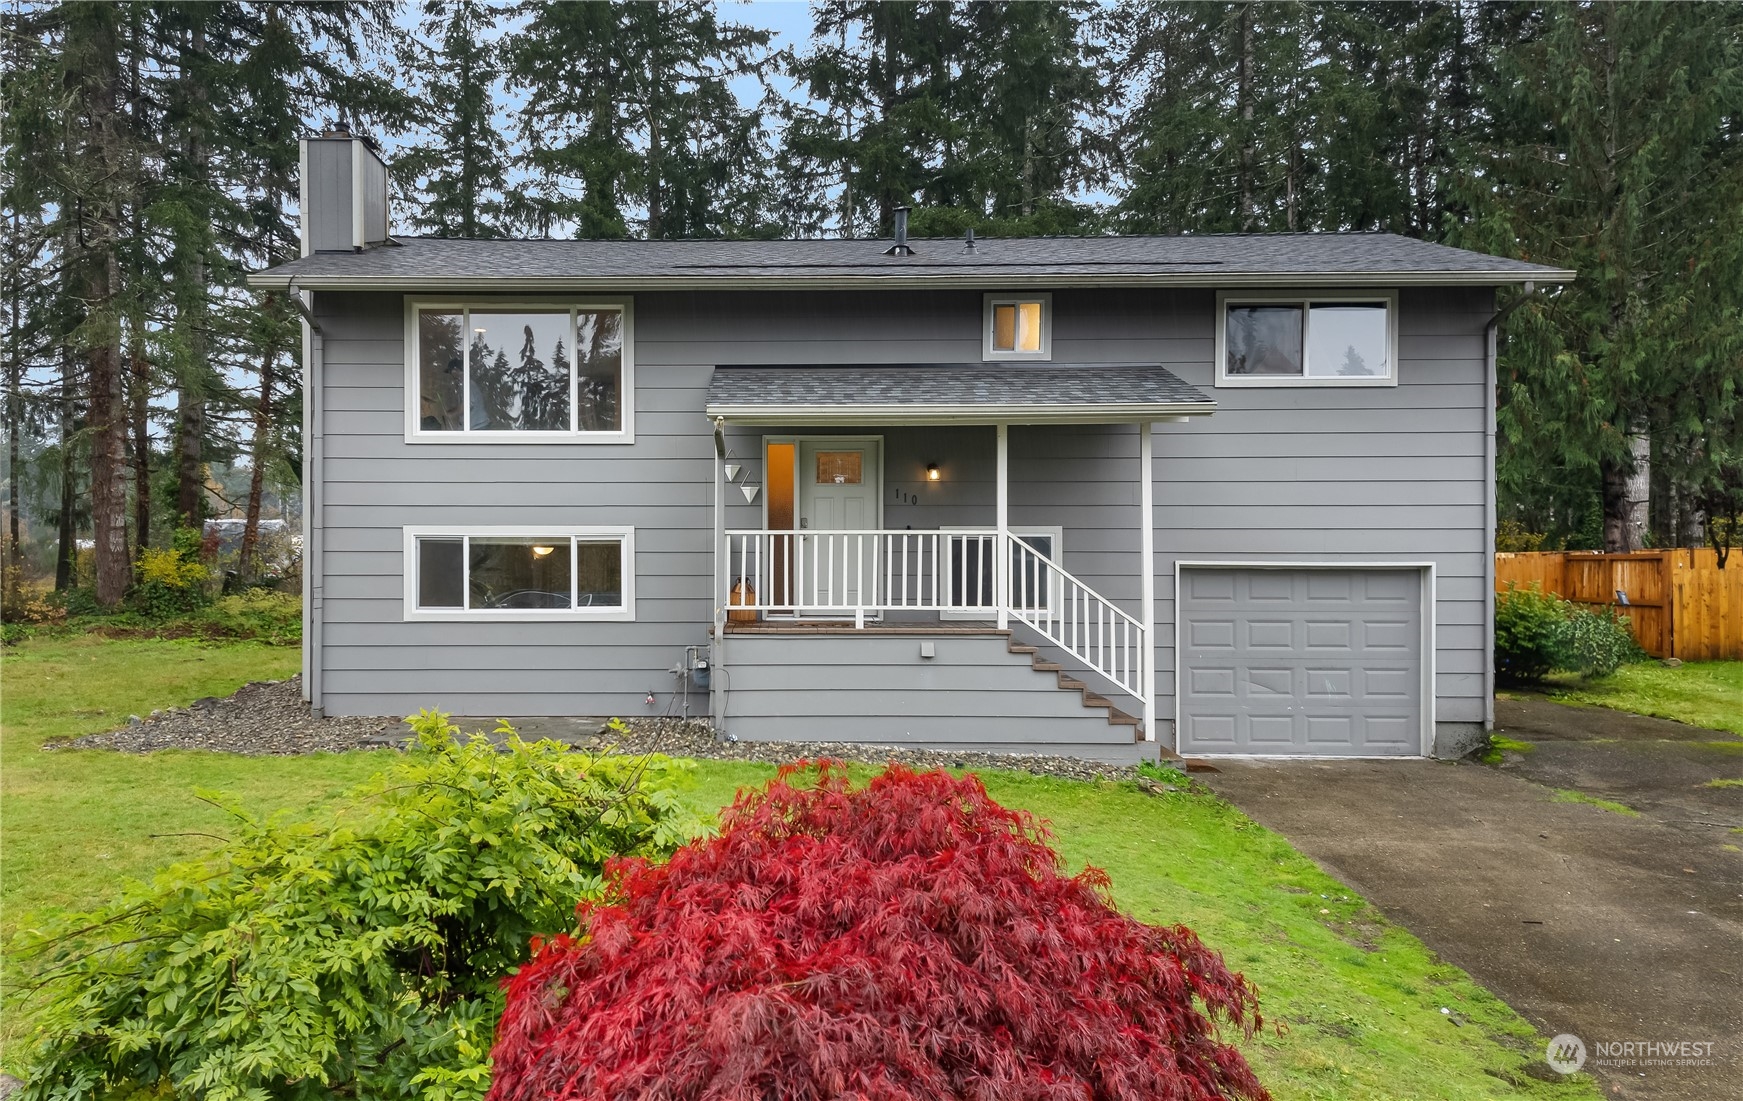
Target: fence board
[(1679, 603)]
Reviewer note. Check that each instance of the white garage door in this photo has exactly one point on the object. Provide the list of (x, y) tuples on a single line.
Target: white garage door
[(1326, 662)]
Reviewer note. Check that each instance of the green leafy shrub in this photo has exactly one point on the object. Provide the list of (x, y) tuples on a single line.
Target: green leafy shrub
[(258, 613), (1595, 643), (172, 582), (357, 957), (1538, 633), (1527, 634)]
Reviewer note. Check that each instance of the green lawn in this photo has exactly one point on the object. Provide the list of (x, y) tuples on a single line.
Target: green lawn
[(1355, 1007), (1707, 693)]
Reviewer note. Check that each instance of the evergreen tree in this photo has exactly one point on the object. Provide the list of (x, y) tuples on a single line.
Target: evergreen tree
[(1614, 149), (461, 172), (983, 114), (630, 123)]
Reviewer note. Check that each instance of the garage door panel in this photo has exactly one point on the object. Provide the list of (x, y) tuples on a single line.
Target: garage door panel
[(1394, 733), (1211, 731), (1310, 661), (1330, 634), (1330, 684), (1399, 587), (1205, 586), (1332, 730), (1270, 588), (1271, 730), (1206, 683), (1391, 635), (1211, 634), (1329, 586), (1269, 685), (1270, 634), (1389, 684)]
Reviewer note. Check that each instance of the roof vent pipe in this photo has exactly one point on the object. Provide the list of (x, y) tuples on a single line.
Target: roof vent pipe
[(968, 245), (900, 248)]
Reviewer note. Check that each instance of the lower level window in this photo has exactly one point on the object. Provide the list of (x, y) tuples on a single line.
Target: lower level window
[(581, 573)]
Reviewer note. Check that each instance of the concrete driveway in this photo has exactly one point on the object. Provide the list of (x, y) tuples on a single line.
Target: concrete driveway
[(1612, 927)]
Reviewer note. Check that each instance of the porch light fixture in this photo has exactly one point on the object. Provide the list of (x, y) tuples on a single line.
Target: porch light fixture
[(932, 472), (540, 552)]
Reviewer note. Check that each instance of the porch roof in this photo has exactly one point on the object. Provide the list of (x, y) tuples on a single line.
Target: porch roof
[(953, 393)]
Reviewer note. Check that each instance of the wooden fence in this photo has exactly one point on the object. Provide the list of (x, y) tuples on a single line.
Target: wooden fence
[(1679, 603)]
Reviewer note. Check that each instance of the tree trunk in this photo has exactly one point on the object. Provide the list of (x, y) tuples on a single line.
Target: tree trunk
[(192, 306), (1628, 497), (14, 422), (655, 153), (1244, 96), (257, 476), (66, 549), (101, 230), (108, 438), (140, 377)]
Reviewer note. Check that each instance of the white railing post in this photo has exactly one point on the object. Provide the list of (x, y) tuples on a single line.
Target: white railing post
[(1001, 544), (1147, 562)]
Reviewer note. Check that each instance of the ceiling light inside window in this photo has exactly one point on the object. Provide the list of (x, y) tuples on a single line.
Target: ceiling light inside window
[(540, 552)]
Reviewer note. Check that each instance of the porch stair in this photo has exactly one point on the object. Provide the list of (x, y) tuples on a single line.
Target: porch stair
[(1067, 683)]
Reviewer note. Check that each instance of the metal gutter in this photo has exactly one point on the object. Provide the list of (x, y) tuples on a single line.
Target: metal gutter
[(906, 280)]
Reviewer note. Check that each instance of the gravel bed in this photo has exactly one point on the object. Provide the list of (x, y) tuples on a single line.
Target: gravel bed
[(696, 739), (265, 718), (269, 718)]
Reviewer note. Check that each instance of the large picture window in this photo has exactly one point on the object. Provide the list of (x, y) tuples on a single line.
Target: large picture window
[(522, 371), (1306, 340), (520, 573)]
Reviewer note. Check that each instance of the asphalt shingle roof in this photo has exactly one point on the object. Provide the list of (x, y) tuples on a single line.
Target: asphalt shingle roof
[(1200, 260), (953, 392)]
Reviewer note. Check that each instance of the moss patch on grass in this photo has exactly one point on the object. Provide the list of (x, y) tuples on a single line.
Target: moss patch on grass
[(1724, 782), (1497, 746), (1567, 795)]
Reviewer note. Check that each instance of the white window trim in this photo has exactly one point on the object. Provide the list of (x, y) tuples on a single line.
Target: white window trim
[(623, 535), (1304, 299), (989, 353), (1025, 531), (414, 432)]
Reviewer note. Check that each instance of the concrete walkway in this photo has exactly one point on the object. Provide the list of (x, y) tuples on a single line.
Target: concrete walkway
[(1611, 927)]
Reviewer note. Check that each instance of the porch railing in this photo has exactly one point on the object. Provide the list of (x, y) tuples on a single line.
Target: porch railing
[(955, 574)]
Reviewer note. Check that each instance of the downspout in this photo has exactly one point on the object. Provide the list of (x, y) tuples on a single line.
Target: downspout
[(1491, 332), (717, 637), (314, 495)]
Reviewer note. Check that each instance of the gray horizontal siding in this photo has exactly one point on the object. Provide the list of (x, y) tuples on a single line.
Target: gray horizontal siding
[(1285, 473), (877, 689)]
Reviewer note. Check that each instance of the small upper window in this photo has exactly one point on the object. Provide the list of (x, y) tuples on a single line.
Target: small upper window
[(1018, 327), (1277, 341), (520, 370)]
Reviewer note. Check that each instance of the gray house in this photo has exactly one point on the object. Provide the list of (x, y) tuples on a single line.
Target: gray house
[(1114, 497)]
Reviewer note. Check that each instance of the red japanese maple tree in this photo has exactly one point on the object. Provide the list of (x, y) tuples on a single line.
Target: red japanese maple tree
[(910, 939)]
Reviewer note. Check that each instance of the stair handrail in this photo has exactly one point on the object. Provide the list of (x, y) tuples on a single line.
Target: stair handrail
[(1043, 620)]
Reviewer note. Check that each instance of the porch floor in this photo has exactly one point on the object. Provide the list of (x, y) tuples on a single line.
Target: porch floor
[(846, 627)]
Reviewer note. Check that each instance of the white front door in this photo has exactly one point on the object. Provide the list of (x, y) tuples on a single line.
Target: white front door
[(839, 486)]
